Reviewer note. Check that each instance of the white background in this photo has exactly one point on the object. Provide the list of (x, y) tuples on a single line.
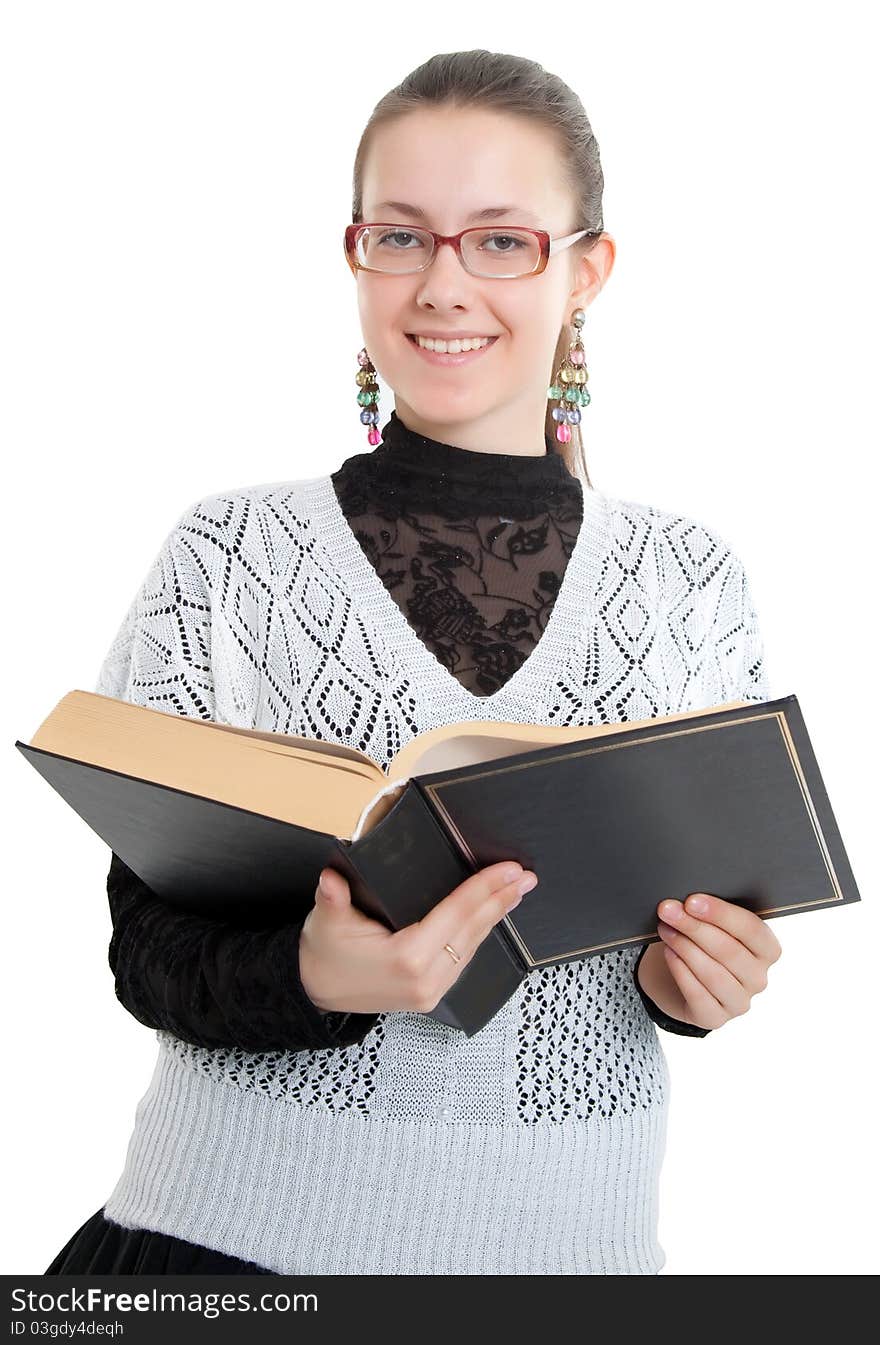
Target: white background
[(165, 167)]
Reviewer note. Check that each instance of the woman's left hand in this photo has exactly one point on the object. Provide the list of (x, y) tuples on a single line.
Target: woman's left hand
[(713, 957)]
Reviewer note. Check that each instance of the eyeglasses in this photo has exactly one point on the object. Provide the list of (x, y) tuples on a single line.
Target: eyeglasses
[(496, 254)]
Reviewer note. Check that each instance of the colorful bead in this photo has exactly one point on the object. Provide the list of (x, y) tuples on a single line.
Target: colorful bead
[(368, 397), (567, 385)]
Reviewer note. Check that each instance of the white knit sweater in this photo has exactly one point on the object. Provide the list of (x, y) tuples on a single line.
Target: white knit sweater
[(535, 1146)]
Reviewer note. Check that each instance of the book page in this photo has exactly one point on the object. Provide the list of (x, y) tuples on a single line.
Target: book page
[(470, 742), (309, 744), (264, 773)]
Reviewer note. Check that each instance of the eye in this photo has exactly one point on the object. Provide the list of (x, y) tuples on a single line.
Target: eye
[(506, 238), (398, 233)]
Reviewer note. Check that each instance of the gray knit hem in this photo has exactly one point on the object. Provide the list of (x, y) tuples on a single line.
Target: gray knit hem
[(234, 1171)]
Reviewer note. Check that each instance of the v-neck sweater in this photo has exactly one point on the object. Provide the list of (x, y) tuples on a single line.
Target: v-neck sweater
[(534, 1146)]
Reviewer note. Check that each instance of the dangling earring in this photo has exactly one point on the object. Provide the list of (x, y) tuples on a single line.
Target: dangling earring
[(569, 385), (368, 397)]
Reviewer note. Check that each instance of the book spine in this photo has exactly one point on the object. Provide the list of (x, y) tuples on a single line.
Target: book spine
[(398, 872)]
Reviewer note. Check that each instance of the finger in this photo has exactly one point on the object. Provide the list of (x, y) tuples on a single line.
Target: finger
[(725, 988), (465, 917), (749, 967), (332, 887), (749, 929), (499, 902), (702, 1006), (717, 944), (333, 896), (442, 966)]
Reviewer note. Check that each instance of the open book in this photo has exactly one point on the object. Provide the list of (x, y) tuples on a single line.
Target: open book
[(237, 823)]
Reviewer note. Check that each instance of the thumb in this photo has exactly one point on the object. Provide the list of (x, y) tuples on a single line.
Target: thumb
[(333, 892)]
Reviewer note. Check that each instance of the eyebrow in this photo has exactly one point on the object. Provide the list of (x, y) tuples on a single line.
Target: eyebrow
[(489, 211)]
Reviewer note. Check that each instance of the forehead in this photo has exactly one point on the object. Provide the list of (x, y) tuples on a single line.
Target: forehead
[(454, 163)]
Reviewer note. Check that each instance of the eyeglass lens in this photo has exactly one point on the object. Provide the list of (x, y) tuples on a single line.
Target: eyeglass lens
[(485, 252)]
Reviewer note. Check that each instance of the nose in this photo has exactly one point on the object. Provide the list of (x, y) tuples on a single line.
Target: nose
[(445, 279)]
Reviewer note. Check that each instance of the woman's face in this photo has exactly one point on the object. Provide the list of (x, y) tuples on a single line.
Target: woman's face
[(452, 163)]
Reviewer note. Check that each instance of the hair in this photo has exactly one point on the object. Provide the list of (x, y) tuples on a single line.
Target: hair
[(521, 87)]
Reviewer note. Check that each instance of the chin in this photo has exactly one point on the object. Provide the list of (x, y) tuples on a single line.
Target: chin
[(441, 408)]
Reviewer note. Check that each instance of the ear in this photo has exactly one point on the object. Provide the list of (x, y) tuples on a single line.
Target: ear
[(592, 267)]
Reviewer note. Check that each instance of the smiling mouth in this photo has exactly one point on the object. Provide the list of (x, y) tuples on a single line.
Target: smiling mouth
[(448, 340), (451, 357)]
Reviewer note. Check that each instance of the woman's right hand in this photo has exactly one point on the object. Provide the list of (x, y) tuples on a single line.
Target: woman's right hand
[(350, 963)]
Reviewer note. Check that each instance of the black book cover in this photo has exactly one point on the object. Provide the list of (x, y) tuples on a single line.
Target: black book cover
[(731, 803)]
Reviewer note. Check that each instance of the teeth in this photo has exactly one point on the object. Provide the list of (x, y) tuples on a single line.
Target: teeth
[(452, 347)]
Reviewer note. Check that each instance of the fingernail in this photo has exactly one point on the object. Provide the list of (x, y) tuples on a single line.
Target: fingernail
[(671, 910), (322, 882), (526, 884), (512, 871), (698, 904)]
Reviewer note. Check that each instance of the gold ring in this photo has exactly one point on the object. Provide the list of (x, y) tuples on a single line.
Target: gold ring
[(452, 953)]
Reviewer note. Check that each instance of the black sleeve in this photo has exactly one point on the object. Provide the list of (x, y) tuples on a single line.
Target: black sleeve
[(215, 984), (662, 1019)]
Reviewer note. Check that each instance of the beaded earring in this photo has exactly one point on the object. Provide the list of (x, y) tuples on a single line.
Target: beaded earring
[(368, 397), (569, 385)]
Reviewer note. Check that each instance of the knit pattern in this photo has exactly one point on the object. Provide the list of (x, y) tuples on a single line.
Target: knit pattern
[(261, 610)]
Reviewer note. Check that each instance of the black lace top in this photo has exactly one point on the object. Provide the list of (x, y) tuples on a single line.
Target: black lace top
[(471, 545)]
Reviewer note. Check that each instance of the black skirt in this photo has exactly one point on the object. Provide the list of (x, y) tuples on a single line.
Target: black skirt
[(101, 1247)]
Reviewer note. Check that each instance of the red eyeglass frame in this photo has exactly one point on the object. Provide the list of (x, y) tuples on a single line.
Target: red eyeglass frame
[(549, 246)]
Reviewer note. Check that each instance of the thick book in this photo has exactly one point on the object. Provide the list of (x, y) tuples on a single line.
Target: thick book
[(236, 823)]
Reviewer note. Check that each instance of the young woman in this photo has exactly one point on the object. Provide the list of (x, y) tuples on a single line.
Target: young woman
[(306, 1115)]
